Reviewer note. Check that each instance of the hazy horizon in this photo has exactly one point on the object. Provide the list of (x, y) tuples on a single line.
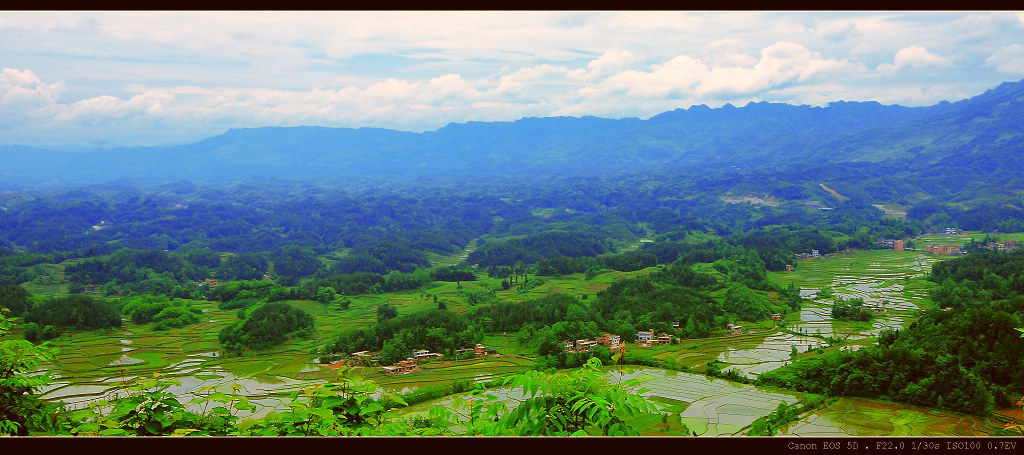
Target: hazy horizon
[(158, 78)]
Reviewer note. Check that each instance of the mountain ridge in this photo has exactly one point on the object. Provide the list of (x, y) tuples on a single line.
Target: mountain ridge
[(759, 135)]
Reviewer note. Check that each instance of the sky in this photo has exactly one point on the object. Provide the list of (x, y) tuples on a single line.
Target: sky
[(162, 78)]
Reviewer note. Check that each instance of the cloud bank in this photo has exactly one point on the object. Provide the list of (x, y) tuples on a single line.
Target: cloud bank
[(144, 78)]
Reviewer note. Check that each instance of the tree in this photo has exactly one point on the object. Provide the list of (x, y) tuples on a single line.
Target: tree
[(394, 350), (14, 298), (385, 312), (324, 294), (20, 407)]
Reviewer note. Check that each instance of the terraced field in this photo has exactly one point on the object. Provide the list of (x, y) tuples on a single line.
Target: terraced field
[(709, 406), (94, 365), (885, 279), (863, 417)]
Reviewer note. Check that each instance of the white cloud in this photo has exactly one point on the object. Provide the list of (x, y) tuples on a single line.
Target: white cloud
[(780, 64), (727, 52), (190, 74), (914, 57), (527, 81), (670, 79), (610, 62), (23, 89), (1008, 60)]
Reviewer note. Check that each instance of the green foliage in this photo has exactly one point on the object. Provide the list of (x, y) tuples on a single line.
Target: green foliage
[(386, 311), (20, 407), (15, 298), (581, 403), (324, 294), (783, 415), (435, 330), (265, 326), (161, 310), (850, 310), (293, 261), (977, 278), (748, 305), (79, 311), (826, 292), (962, 360), (533, 248)]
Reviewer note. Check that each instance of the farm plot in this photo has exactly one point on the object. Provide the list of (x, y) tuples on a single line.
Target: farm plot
[(774, 352), (715, 407), (863, 417), (707, 406), (885, 280)]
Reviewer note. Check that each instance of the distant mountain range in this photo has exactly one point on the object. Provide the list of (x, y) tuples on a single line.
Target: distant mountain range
[(982, 135)]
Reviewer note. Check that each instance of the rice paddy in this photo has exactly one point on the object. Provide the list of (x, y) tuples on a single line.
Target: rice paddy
[(96, 365), (888, 282), (864, 417)]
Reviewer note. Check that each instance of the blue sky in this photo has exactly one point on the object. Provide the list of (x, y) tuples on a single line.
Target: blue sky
[(153, 78)]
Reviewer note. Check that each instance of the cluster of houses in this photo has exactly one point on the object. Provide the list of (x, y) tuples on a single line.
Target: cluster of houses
[(410, 364), (1008, 245), (212, 282), (644, 339), (896, 245), (607, 340), (402, 367), (815, 254), (945, 249)]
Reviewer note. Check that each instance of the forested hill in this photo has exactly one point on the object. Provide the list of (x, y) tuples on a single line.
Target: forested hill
[(758, 136)]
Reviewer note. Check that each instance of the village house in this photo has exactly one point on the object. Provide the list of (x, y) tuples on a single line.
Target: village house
[(365, 358), (402, 367), (609, 341), (585, 345), (1008, 245), (480, 349), (423, 354), (944, 249), (776, 316), (647, 338), (644, 338), (734, 329)]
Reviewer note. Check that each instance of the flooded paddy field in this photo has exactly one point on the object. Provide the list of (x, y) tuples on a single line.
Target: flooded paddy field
[(97, 365), (888, 281), (864, 417), (707, 406), (715, 407)]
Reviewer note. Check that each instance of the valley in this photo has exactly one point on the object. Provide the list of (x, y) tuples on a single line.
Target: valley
[(97, 365)]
